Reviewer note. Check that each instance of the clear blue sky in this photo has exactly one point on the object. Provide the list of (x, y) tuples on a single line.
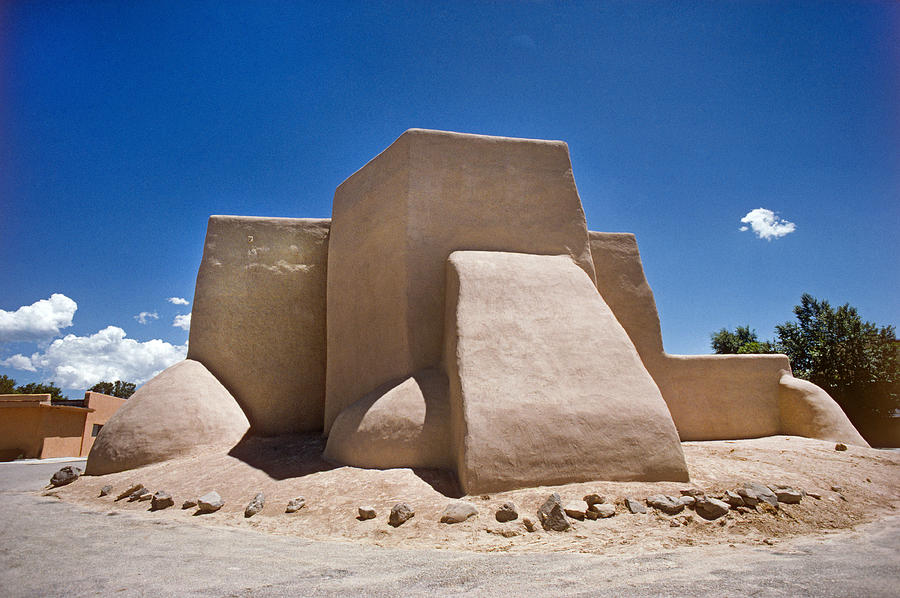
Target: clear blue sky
[(124, 125)]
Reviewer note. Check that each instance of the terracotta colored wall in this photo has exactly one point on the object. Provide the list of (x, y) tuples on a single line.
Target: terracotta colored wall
[(19, 427), (104, 406), (61, 428)]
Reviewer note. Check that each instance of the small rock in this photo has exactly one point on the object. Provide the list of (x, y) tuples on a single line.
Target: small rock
[(210, 502), (458, 511), (145, 497), (602, 510), (137, 494), (161, 500), (506, 512), (840, 446), (788, 495), (814, 495), (105, 490), (255, 506), (754, 493), (634, 506), (711, 508), (680, 520), (667, 504), (693, 492), (837, 488), (131, 490), (66, 475), (295, 504), (529, 524), (400, 514), (575, 510), (365, 513), (592, 515), (688, 501), (552, 516), (594, 499), (734, 499), (189, 504)]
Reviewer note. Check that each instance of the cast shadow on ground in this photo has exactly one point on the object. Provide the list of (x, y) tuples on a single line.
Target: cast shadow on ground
[(299, 455)]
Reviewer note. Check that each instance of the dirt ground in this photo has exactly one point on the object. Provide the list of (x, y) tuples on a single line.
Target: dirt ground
[(287, 467)]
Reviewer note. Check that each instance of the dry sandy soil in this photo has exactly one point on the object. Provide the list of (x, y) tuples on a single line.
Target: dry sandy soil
[(287, 467)]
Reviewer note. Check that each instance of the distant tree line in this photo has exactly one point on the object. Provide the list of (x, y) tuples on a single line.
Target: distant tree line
[(856, 362), (117, 389)]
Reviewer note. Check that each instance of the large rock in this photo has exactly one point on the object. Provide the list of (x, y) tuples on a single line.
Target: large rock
[(258, 319), (711, 508), (66, 475), (397, 219), (178, 412), (400, 514), (210, 502), (161, 500), (255, 506), (399, 424), (530, 333), (667, 504), (552, 516)]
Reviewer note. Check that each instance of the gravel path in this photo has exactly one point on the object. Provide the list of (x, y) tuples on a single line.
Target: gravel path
[(53, 548)]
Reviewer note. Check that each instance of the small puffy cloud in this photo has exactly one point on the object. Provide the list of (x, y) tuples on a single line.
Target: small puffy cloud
[(19, 362), (82, 361), (182, 321), (766, 224), (39, 321), (177, 300), (146, 316)]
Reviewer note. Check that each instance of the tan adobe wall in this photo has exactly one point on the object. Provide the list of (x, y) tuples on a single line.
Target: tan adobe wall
[(258, 320), (397, 219)]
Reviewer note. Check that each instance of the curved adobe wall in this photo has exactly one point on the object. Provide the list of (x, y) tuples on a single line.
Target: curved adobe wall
[(712, 397)]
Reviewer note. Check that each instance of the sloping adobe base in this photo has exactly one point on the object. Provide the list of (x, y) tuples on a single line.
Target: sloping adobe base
[(545, 385), (180, 410)]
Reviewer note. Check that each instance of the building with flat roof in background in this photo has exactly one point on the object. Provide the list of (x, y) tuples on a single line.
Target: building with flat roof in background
[(34, 427)]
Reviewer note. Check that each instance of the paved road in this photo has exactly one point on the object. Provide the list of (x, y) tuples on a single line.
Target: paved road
[(51, 548)]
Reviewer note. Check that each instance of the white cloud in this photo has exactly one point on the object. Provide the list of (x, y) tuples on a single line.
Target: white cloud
[(40, 320), (146, 316), (81, 361), (766, 224), (178, 300), (182, 321), (19, 362)]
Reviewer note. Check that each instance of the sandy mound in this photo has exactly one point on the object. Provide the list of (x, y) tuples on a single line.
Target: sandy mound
[(287, 467)]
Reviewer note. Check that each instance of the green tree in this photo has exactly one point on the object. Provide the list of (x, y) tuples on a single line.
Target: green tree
[(7, 385), (118, 388), (36, 388), (856, 362), (742, 340)]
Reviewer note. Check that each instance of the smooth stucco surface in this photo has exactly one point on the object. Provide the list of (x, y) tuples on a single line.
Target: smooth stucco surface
[(545, 385), (258, 320), (400, 424), (397, 219), (712, 397), (182, 409)]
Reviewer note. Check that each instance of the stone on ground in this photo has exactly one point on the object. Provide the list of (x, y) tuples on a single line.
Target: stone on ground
[(552, 516), (129, 491), (575, 510), (506, 512), (400, 514), (105, 490), (788, 495), (458, 511), (66, 475), (295, 504), (210, 502), (189, 504), (634, 506), (366, 512), (255, 506), (161, 500), (593, 499), (711, 508), (667, 504), (602, 510)]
